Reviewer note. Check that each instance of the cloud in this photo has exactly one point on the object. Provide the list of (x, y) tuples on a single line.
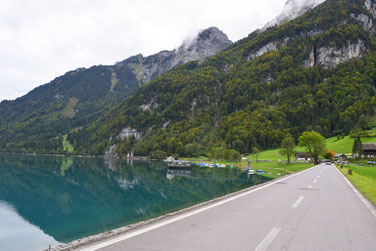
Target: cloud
[(41, 40)]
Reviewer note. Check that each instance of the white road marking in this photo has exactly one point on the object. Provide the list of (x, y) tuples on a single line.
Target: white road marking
[(297, 203), (318, 176), (310, 186), (314, 181), (361, 197), (183, 216), (268, 239), (322, 170)]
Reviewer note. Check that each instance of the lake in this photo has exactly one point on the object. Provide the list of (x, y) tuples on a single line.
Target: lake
[(47, 200)]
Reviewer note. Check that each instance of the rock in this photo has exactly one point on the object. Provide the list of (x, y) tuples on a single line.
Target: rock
[(371, 7), (272, 46), (207, 43), (332, 56), (365, 21), (128, 132), (111, 150)]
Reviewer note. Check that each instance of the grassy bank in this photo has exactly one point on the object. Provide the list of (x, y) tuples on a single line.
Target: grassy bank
[(344, 145), (363, 178), (272, 169)]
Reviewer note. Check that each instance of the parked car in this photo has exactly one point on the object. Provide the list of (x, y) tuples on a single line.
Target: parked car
[(251, 171)]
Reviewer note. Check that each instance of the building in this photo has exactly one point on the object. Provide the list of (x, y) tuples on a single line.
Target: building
[(369, 150), (301, 156), (340, 156)]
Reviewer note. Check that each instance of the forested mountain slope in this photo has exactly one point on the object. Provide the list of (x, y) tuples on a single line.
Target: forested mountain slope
[(40, 120), (315, 72)]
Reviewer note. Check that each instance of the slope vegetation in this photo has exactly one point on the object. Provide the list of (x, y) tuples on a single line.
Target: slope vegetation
[(316, 72)]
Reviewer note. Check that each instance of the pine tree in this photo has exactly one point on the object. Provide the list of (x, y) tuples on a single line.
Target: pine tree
[(357, 148)]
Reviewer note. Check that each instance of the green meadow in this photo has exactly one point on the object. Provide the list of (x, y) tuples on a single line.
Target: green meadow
[(364, 178)]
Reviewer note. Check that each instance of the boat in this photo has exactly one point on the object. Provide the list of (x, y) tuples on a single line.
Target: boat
[(174, 163)]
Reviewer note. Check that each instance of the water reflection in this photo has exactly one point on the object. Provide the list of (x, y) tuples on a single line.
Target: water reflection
[(28, 236), (172, 172), (69, 198)]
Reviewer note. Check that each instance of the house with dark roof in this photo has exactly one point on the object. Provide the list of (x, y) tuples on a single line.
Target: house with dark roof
[(340, 156), (369, 149), (301, 156)]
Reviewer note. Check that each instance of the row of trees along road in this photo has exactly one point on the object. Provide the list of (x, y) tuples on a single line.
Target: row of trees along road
[(313, 141)]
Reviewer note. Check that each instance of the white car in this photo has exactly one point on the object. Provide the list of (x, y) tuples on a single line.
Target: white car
[(251, 171)]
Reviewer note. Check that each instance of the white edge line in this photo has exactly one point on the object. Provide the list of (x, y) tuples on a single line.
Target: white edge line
[(360, 195), (183, 216), (314, 181), (297, 203), (268, 239)]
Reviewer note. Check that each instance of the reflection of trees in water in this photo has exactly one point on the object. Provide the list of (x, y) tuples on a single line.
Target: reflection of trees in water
[(69, 198)]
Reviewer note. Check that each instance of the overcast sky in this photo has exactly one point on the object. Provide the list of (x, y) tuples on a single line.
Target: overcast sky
[(43, 39)]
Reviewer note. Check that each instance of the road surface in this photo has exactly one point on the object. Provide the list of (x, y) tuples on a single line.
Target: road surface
[(312, 210)]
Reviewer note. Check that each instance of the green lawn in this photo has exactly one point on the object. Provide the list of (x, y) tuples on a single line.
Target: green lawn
[(271, 155), (338, 146), (67, 145), (271, 169), (364, 178), (345, 145), (274, 169)]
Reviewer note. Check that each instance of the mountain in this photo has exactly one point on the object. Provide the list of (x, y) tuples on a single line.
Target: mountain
[(40, 120), (207, 43), (315, 72), (292, 10)]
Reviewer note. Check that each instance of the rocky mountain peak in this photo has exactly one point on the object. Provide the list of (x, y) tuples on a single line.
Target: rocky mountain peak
[(292, 10), (207, 43), (206, 39)]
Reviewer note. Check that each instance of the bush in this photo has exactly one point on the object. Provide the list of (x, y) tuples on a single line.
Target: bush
[(158, 154), (234, 155), (192, 150)]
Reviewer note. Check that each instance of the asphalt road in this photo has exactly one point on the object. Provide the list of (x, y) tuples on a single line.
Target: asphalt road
[(313, 210)]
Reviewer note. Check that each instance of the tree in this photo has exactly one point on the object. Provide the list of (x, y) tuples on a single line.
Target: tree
[(192, 150), (234, 155), (329, 155), (314, 143), (288, 147), (255, 152), (357, 147), (158, 154), (363, 122)]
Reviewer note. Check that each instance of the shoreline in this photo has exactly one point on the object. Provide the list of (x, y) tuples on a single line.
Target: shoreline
[(145, 158), (92, 239)]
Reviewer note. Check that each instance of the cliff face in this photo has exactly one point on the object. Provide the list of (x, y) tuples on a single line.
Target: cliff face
[(371, 7), (207, 43), (332, 56), (330, 53)]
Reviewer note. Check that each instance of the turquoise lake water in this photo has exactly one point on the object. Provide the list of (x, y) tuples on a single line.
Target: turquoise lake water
[(50, 200)]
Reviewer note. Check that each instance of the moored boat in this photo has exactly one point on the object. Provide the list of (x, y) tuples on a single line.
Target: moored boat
[(174, 163)]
